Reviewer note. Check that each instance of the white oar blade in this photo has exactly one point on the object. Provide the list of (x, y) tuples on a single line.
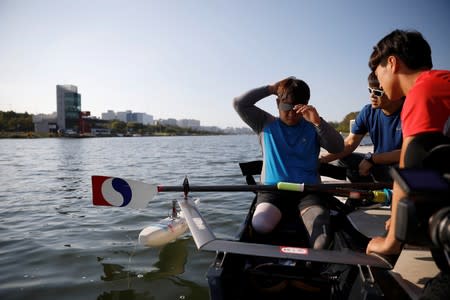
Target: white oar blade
[(113, 191)]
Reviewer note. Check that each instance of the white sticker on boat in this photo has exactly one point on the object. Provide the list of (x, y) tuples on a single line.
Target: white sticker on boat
[(294, 250)]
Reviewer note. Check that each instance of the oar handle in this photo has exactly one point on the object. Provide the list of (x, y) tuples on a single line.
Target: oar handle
[(379, 196), (293, 187)]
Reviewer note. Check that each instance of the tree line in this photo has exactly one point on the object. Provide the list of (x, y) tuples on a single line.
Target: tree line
[(11, 121), (344, 125), (16, 122)]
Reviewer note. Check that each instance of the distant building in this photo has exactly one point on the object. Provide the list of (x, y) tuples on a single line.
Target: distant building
[(68, 108), (142, 118), (109, 115), (145, 118), (45, 123), (68, 119), (101, 132), (188, 123), (240, 130), (85, 123), (211, 129), (123, 115), (169, 122), (128, 116)]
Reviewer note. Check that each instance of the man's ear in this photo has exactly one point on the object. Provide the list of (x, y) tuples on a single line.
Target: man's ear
[(394, 63)]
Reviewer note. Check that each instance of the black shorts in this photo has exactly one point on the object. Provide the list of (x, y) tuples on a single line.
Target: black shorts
[(287, 201)]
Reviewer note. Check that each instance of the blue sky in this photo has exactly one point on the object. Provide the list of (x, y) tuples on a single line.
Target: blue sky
[(188, 59)]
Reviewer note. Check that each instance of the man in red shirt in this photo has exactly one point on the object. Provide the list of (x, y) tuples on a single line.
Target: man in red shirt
[(402, 63)]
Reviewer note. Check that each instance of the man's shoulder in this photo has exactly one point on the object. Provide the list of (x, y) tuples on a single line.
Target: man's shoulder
[(432, 77), (438, 74), (432, 84), (367, 108), (367, 111)]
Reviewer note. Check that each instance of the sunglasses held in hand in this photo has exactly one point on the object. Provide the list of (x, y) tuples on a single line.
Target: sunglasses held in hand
[(376, 92)]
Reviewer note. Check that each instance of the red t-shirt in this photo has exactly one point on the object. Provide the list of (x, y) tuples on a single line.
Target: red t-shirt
[(427, 105)]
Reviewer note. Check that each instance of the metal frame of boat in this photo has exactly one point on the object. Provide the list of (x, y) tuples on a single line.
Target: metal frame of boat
[(342, 272)]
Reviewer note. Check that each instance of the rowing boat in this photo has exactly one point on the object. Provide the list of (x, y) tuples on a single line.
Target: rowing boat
[(281, 265)]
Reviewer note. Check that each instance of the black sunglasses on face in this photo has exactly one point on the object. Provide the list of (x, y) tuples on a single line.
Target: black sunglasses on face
[(285, 106), (376, 92)]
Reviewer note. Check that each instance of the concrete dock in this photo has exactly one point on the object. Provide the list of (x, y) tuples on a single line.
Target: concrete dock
[(414, 267)]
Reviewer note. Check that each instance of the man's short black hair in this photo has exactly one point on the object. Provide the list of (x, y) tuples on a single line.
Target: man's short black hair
[(295, 88), (409, 46)]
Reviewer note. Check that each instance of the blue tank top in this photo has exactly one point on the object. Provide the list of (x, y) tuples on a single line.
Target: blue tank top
[(290, 153)]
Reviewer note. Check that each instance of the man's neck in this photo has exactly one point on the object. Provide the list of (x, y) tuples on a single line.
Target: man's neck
[(408, 79), (392, 107)]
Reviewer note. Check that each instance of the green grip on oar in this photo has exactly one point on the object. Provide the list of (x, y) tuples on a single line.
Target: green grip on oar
[(294, 187), (383, 196), (378, 196)]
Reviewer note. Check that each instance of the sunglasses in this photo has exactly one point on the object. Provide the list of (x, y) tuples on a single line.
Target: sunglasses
[(285, 106), (376, 92)]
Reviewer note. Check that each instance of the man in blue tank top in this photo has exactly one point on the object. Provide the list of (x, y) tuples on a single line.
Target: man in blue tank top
[(290, 145), (381, 119)]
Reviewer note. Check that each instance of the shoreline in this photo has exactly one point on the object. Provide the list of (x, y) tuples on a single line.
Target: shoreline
[(36, 135)]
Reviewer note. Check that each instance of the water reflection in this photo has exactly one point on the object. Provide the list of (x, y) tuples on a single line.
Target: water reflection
[(172, 259), (163, 282), (125, 294)]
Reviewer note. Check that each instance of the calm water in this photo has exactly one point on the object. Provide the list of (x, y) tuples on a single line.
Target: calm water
[(55, 244)]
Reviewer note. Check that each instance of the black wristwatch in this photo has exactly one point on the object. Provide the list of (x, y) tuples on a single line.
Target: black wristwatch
[(368, 156)]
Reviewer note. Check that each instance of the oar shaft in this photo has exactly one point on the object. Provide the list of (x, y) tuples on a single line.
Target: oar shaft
[(324, 187), (218, 188)]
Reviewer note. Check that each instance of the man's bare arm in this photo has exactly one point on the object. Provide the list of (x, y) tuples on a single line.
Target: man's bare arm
[(351, 142)]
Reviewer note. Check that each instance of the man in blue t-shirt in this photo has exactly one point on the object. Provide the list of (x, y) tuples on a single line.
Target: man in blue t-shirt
[(381, 119), (290, 144)]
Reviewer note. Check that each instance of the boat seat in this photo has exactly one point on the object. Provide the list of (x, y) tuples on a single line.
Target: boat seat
[(249, 169)]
